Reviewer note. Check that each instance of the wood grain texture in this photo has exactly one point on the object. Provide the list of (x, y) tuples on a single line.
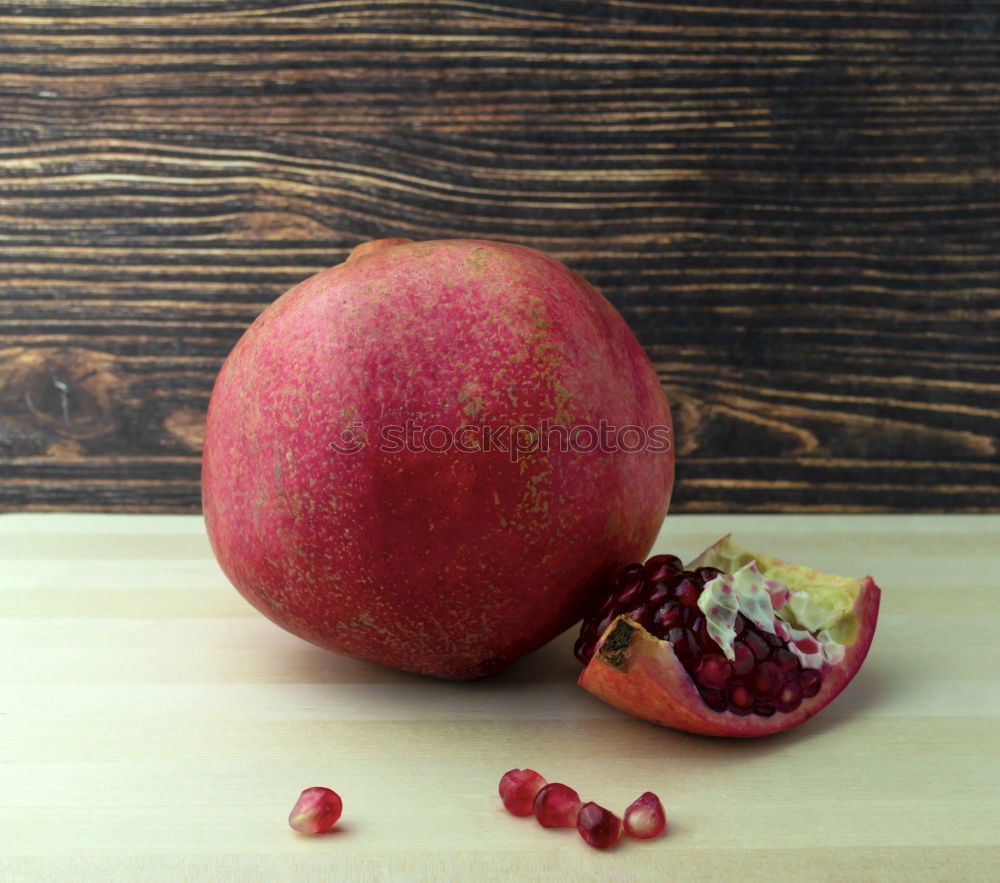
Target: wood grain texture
[(796, 206), (179, 725)]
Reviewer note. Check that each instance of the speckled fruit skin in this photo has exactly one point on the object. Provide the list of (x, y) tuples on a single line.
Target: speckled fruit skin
[(450, 564)]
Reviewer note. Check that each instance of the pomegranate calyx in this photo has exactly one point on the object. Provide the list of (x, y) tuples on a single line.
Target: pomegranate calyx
[(373, 245)]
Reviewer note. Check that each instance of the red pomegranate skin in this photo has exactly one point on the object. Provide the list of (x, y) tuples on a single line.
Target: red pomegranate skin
[(452, 564)]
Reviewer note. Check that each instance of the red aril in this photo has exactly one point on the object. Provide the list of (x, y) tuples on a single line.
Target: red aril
[(744, 644), (316, 811), (556, 806), (598, 826), (645, 819), (518, 790)]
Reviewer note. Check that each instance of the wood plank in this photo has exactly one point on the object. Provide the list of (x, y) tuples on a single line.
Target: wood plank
[(796, 207)]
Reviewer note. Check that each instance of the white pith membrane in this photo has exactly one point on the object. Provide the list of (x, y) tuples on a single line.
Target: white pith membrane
[(772, 607)]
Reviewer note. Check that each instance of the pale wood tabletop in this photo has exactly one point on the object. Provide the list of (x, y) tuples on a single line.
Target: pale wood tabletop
[(154, 726)]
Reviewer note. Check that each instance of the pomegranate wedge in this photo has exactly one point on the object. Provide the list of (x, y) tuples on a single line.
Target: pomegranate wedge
[(736, 644)]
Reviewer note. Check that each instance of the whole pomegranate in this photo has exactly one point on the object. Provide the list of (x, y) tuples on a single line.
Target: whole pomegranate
[(434, 455)]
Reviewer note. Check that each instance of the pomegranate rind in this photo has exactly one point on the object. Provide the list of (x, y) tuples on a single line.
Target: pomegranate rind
[(639, 673)]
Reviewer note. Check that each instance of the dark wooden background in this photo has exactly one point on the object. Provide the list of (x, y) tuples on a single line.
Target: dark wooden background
[(796, 206)]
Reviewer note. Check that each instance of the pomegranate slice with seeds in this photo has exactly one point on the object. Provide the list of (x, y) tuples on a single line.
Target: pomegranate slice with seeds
[(737, 644)]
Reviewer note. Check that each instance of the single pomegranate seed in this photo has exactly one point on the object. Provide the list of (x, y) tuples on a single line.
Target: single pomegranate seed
[(740, 625), (518, 790), (628, 594), (659, 595), (707, 642), (675, 579), (669, 615), (670, 561), (644, 818), (810, 681), (744, 659), (683, 642), (631, 572), (316, 811), (605, 621), (598, 826), (705, 574), (556, 806), (639, 614), (758, 646), (790, 696), (688, 592), (713, 671), (658, 572), (740, 700), (584, 649), (774, 640), (785, 660), (763, 708), (766, 679), (714, 699), (609, 606)]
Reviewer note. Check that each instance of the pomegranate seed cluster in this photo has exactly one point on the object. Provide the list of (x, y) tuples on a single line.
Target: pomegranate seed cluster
[(662, 597), (555, 805)]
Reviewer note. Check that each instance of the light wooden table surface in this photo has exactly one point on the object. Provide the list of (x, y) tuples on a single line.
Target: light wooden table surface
[(154, 726)]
